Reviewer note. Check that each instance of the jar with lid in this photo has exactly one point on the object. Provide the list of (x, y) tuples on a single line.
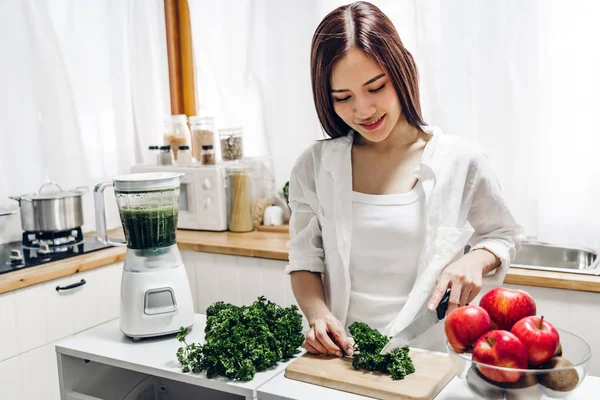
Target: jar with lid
[(153, 155), (184, 158), (176, 133), (240, 211), (165, 156), (203, 133), (208, 155), (231, 144)]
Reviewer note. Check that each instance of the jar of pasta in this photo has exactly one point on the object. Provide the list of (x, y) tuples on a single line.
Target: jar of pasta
[(240, 205), (176, 133)]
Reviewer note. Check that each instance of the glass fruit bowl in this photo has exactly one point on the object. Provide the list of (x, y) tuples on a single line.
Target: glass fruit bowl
[(532, 384)]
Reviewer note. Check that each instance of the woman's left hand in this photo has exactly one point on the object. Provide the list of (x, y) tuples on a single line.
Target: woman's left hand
[(464, 277)]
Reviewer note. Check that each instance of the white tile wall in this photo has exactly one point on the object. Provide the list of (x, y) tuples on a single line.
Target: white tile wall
[(9, 344)]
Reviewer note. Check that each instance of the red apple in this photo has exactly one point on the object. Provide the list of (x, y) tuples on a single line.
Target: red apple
[(539, 336), (465, 325), (501, 349), (507, 306)]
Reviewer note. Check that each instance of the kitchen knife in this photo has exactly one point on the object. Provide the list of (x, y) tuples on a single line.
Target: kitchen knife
[(418, 326)]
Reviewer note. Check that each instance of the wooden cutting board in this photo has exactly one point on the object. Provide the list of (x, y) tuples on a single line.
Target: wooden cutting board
[(433, 371)]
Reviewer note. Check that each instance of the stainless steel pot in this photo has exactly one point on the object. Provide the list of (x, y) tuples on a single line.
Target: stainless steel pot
[(51, 211)]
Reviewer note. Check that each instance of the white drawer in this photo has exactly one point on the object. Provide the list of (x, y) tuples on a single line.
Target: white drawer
[(37, 315)]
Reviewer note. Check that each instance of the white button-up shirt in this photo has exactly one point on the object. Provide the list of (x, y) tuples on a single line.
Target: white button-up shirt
[(463, 206)]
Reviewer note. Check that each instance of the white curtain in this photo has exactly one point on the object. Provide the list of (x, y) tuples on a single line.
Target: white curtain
[(84, 92), (519, 77)]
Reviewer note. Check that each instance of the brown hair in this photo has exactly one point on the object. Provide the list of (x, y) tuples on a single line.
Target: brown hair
[(364, 26)]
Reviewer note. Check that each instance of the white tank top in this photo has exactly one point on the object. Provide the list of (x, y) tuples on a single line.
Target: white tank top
[(388, 232)]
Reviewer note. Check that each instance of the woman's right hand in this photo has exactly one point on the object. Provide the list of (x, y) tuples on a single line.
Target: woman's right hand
[(327, 336)]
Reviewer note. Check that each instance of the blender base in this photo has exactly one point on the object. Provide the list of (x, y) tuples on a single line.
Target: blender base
[(155, 303)]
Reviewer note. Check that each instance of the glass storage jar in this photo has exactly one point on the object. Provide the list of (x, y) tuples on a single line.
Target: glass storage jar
[(240, 211), (165, 157), (231, 144), (176, 133), (203, 133), (184, 158), (153, 155), (208, 155)]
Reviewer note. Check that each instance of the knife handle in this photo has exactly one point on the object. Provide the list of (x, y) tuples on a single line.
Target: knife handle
[(443, 306)]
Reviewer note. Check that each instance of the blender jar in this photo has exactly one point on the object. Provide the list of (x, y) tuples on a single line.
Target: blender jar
[(148, 205)]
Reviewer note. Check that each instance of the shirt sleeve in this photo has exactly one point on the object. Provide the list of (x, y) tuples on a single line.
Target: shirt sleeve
[(305, 246), (495, 227)]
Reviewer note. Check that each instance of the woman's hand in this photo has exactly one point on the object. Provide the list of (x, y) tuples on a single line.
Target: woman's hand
[(327, 336), (464, 277)]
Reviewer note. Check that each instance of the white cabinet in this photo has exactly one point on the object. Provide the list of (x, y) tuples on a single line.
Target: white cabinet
[(35, 317), (9, 344), (238, 280), (39, 374), (10, 378)]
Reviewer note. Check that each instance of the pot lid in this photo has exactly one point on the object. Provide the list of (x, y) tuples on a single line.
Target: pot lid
[(58, 193)]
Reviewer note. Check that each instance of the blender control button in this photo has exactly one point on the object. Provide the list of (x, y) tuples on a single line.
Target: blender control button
[(206, 184)]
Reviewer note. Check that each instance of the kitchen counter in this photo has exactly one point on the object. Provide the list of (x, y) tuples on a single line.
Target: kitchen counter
[(269, 245), (46, 272), (272, 245), (124, 363), (105, 348), (282, 388)]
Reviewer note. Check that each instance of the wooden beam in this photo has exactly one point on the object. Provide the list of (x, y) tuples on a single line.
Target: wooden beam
[(180, 54), (188, 87)]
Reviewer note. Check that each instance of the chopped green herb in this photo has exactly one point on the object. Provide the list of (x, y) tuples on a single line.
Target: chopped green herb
[(368, 343), (240, 341)]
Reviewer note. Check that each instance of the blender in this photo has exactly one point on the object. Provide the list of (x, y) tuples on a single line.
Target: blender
[(156, 298)]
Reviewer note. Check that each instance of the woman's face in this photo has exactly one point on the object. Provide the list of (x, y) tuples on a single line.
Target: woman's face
[(364, 97)]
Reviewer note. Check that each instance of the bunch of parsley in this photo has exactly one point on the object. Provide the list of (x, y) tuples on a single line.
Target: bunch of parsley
[(368, 343), (240, 341)]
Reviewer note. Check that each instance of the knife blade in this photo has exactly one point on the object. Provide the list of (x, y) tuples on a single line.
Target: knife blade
[(418, 326)]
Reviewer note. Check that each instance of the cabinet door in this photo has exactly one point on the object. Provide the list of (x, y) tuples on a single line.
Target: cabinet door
[(97, 301), (39, 374), (10, 378), (9, 343)]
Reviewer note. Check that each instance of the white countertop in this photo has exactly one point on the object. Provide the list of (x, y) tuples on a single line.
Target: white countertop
[(282, 388), (106, 344)]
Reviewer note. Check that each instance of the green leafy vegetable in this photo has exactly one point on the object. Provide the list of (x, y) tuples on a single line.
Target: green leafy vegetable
[(240, 341), (368, 343)]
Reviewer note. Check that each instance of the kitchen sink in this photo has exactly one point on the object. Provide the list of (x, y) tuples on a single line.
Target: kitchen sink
[(550, 257)]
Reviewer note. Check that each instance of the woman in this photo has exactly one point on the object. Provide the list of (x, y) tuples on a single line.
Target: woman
[(382, 212)]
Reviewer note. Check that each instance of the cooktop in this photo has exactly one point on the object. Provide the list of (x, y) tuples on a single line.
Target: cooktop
[(42, 248)]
